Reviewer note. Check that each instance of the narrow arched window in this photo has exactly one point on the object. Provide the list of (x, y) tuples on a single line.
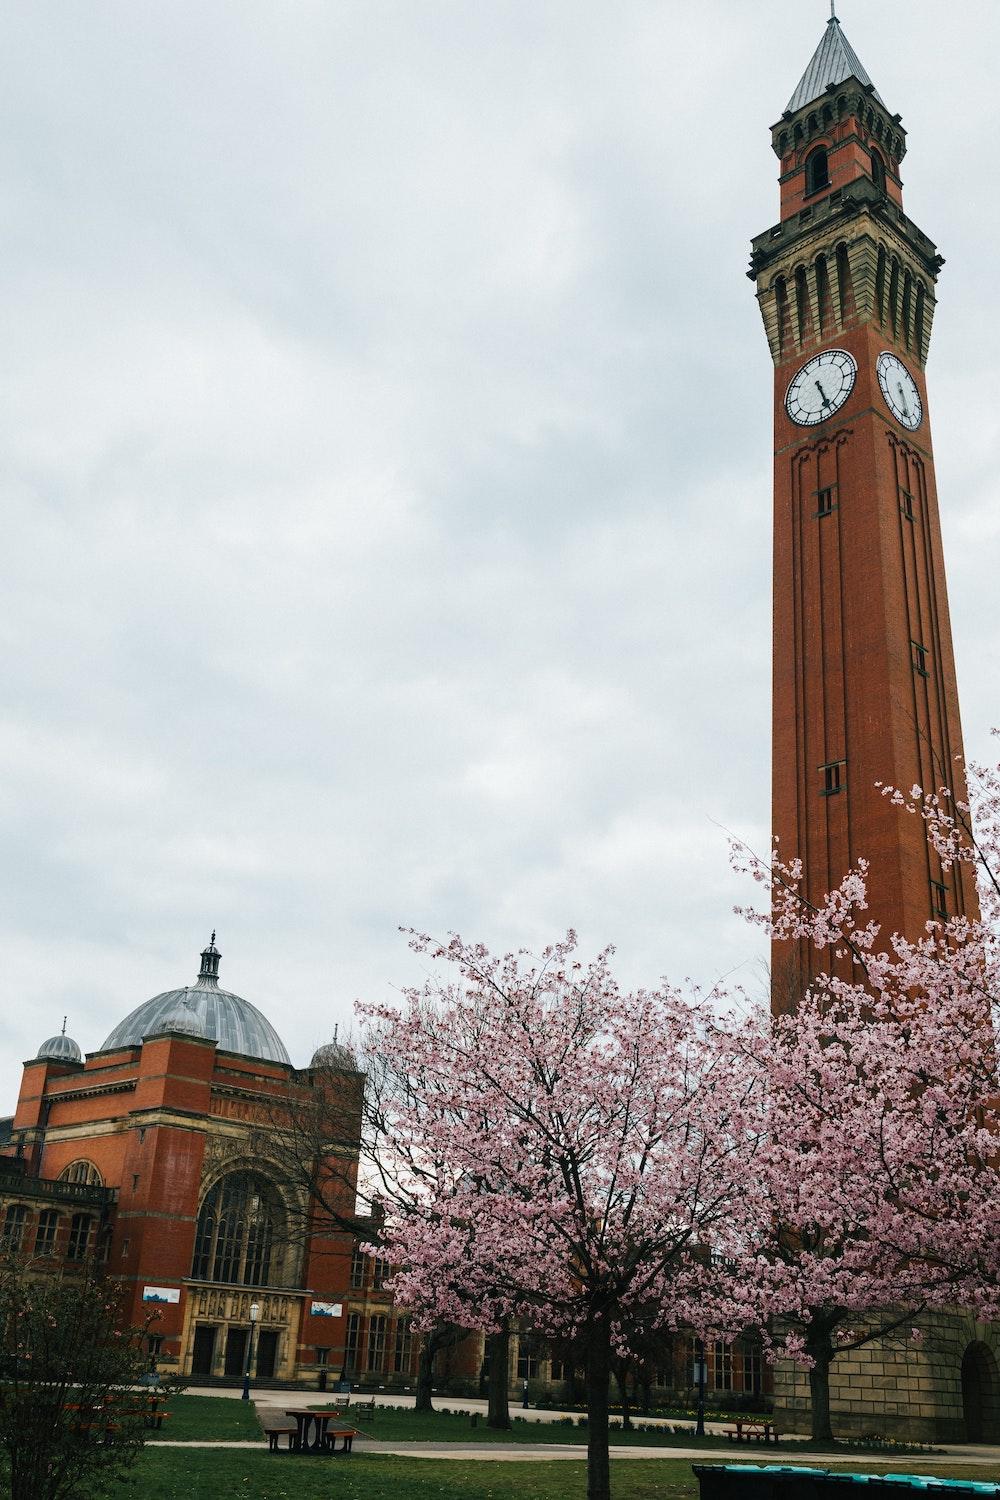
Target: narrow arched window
[(878, 171), (801, 305), (907, 306), (822, 294), (919, 319), (817, 171), (781, 301), (240, 1220), (880, 266), (844, 288), (894, 294)]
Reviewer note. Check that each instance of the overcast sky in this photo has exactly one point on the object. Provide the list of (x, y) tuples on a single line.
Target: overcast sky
[(386, 477)]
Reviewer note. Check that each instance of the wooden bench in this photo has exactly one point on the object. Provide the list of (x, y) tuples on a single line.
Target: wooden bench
[(274, 1433), (348, 1434), (745, 1432), (366, 1407)]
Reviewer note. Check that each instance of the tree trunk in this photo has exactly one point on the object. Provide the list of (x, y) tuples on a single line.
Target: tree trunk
[(498, 1345), (425, 1374), (598, 1376), (819, 1346)]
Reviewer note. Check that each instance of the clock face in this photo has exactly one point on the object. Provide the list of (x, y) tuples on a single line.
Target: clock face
[(821, 387), (900, 391)]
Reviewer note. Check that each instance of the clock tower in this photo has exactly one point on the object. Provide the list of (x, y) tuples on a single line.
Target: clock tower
[(864, 687)]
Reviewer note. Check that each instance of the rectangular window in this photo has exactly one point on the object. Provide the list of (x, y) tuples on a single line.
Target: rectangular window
[(154, 1343), (376, 1344), (352, 1347), (359, 1262), (720, 1366), (79, 1237), (45, 1234), (825, 502), (753, 1368), (939, 900), (906, 505), (401, 1354), (921, 659), (379, 1272), (527, 1358), (13, 1226), (834, 778), (557, 1370)]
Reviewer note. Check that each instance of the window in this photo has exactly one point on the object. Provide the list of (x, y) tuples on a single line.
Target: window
[(906, 505), (921, 659), (154, 1343), (13, 1226), (352, 1346), (79, 1236), (557, 1370), (527, 1358), (401, 1354), (376, 1344), (720, 1366), (878, 171), (83, 1172), (45, 1234), (358, 1264), (939, 900), (379, 1272), (753, 1369), (824, 501), (239, 1220), (817, 171), (833, 778), (323, 1357)]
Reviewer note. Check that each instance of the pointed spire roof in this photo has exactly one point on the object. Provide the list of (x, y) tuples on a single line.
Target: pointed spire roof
[(833, 61)]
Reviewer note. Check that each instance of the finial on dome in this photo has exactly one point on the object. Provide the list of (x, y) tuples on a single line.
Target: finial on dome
[(208, 975), (833, 12), (63, 1032)]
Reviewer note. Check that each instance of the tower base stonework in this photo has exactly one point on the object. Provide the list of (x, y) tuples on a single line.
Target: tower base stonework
[(944, 1389)]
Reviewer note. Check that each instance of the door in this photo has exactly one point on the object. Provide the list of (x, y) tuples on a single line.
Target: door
[(981, 1394), (203, 1352), (236, 1349), (267, 1353)]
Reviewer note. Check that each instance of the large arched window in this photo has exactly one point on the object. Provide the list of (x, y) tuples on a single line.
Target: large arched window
[(83, 1172), (240, 1220), (817, 171), (878, 171)]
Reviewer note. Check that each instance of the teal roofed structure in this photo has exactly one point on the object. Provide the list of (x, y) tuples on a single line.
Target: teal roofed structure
[(833, 61)]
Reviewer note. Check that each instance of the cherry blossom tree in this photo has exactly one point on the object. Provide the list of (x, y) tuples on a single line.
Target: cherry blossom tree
[(877, 1196), (567, 1156)]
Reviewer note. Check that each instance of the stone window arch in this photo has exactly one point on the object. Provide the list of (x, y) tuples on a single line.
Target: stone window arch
[(83, 1172), (817, 171), (241, 1232), (878, 171)]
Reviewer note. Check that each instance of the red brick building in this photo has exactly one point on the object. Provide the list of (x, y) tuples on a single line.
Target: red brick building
[(153, 1154)]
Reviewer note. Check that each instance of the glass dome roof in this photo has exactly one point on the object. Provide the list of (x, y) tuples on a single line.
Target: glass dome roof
[(206, 1010)]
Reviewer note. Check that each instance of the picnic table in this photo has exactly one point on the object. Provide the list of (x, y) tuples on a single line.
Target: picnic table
[(745, 1431), (324, 1439)]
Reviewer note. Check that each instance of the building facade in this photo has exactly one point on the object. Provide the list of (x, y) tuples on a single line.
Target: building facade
[(865, 690), (160, 1156)]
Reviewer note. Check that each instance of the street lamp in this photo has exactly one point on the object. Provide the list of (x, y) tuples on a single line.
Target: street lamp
[(254, 1316), (700, 1371)]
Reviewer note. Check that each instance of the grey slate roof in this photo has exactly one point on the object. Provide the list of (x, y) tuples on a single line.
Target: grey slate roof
[(62, 1047), (833, 61), (206, 1010)]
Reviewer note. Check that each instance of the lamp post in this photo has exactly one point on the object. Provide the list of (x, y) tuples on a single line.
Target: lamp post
[(700, 1373), (254, 1315)]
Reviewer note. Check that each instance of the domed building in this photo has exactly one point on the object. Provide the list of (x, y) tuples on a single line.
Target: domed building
[(164, 1155)]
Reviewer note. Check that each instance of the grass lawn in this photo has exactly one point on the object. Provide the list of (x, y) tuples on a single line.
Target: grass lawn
[(208, 1418), (201, 1474)]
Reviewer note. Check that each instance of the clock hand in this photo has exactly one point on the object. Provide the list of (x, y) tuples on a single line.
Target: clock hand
[(824, 396), (902, 397)]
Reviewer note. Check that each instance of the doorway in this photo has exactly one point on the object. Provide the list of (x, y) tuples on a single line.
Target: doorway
[(267, 1353), (236, 1350), (203, 1351), (981, 1394)]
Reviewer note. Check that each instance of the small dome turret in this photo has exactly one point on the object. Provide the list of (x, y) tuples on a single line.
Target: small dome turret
[(335, 1056), (61, 1048)]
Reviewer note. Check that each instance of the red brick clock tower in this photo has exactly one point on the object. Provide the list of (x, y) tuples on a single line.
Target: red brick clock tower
[(864, 674)]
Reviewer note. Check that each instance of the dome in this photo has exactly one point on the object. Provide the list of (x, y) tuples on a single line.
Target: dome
[(336, 1056), (203, 1009), (62, 1048)]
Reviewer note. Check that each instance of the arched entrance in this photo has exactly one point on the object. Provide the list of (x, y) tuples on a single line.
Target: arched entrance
[(981, 1394)]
